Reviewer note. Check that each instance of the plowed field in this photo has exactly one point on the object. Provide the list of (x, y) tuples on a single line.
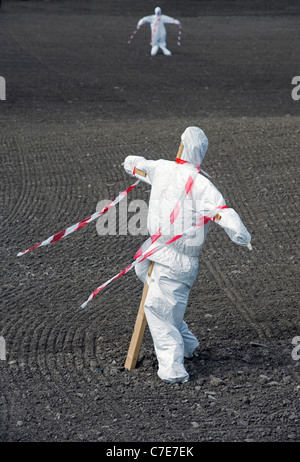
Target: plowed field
[(79, 99)]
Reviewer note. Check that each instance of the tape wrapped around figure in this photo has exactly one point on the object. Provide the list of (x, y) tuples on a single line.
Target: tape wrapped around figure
[(201, 222)]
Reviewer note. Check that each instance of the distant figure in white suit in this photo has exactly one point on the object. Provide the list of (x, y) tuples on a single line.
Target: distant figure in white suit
[(157, 23)]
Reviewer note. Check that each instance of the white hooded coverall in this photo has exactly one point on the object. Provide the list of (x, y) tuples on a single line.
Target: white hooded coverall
[(176, 265), (158, 30)]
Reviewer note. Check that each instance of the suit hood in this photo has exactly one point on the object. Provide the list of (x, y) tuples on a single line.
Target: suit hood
[(195, 145)]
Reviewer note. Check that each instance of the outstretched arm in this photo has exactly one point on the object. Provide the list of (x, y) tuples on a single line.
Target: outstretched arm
[(168, 20), (227, 217), (144, 20), (234, 227), (140, 168)]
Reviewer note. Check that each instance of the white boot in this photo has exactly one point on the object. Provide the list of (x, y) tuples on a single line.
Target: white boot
[(165, 51), (154, 50)]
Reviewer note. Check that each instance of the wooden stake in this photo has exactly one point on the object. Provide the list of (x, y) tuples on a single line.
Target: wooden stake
[(139, 329), (140, 172), (180, 150)]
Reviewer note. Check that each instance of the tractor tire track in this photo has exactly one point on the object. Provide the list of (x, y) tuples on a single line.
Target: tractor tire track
[(241, 303)]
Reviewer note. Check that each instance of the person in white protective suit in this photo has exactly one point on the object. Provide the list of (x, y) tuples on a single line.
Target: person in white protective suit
[(176, 265), (157, 23)]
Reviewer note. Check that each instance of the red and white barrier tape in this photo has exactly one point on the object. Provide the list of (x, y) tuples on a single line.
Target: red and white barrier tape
[(154, 31), (134, 32), (57, 236), (201, 222), (174, 214), (200, 170), (179, 35), (141, 254)]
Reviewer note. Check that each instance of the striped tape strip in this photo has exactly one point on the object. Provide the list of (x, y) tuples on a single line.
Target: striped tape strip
[(174, 214), (179, 35), (60, 235), (201, 222), (154, 30), (200, 170), (134, 32)]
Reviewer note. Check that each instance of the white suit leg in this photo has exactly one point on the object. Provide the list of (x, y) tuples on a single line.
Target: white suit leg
[(166, 51), (190, 341), (164, 309), (154, 50)]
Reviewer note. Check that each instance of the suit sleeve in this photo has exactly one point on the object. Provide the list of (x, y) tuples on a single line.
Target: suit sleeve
[(234, 227), (168, 20), (230, 220), (133, 164), (232, 224), (144, 20)]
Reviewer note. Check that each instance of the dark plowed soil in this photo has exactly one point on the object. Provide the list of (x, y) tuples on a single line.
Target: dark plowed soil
[(79, 99)]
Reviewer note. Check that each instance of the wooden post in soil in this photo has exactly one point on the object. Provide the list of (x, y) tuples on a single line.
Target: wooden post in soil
[(139, 329)]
